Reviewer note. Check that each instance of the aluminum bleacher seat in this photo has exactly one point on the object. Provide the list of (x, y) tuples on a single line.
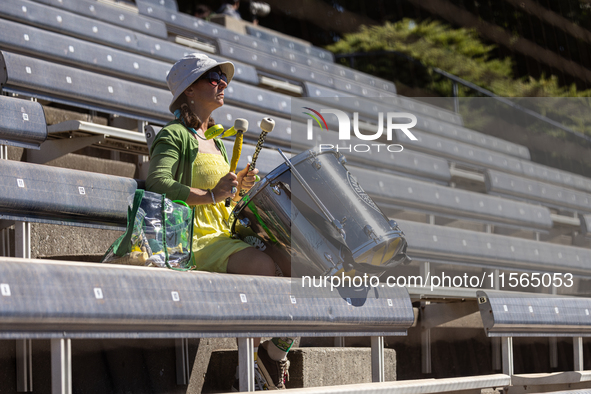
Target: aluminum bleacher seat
[(483, 158), (290, 70), (187, 25), (37, 193), (291, 44), (22, 123), (169, 4), (399, 192), (439, 244), (79, 26), (56, 47), (60, 301), (508, 314), (244, 95), (433, 118), (88, 29), (531, 190), (114, 15), (271, 63), (471, 137), (184, 23), (379, 87), (407, 162), (459, 151), (523, 314), (369, 108), (556, 176), (39, 78)]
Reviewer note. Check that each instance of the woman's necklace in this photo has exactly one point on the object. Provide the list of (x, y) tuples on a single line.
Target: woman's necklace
[(177, 114), (195, 132)]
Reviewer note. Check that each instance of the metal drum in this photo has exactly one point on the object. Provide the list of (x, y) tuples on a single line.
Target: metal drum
[(311, 212)]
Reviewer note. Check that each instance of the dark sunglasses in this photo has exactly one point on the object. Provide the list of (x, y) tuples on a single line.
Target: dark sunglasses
[(214, 77)]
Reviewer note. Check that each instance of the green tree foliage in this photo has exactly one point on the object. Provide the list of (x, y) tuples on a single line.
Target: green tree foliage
[(457, 51)]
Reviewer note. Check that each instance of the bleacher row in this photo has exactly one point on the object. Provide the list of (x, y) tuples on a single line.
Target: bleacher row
[(94, 56)]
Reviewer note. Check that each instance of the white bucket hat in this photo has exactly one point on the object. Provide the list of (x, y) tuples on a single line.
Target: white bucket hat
[(188, 70)]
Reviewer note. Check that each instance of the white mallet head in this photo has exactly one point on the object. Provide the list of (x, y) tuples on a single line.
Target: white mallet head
[(241, 124), (267, 125)]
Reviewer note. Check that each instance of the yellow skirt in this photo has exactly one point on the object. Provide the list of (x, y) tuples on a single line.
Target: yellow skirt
[(212, 240)]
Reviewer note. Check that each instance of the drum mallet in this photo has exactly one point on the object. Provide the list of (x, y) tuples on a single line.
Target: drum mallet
[(239, 128), (267, 125)]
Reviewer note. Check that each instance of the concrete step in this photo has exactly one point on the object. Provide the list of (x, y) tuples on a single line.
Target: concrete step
[(310, 367)]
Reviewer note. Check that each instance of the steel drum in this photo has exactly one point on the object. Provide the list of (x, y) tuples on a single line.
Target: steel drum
[(311, 212)]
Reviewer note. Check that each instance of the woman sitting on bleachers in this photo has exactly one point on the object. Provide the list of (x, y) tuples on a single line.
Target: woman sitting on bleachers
[(187, 166)]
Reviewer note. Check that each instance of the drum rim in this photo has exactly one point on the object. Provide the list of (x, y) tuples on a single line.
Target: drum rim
[(277, 171), (364, 248)]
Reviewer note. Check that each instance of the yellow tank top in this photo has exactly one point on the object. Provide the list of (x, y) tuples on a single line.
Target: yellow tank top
[(212, 240), (208, 169)]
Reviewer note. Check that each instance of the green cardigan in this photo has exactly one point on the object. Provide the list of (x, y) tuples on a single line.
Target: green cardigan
[(171, 161)]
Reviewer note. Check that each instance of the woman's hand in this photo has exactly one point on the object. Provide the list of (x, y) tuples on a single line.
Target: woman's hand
[(246, 179), (225, 187)]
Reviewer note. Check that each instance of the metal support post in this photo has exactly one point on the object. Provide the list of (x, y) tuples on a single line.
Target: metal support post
[(507, 350), (3, 152), (246, 364), (426, 350), (424, 269), (24, 366), (553, 351), (22, 235), (182, 361), (339, 341), (496, 353), (497, 282), (495, 341), (578, 353), (4, 234), (61, 366), (377, 359), (553, 343), (141, 124)]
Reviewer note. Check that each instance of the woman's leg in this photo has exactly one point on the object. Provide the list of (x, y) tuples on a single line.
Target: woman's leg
[(251, 261)]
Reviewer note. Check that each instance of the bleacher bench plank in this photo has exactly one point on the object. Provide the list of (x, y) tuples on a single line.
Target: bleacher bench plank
[(52, 299), (39, 78), (291, 44), (532, 190), (38, 193), (114, 15), (60, 48), (452, 245), (398, 191), (22, 123), (88, 29), (512, 314)]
